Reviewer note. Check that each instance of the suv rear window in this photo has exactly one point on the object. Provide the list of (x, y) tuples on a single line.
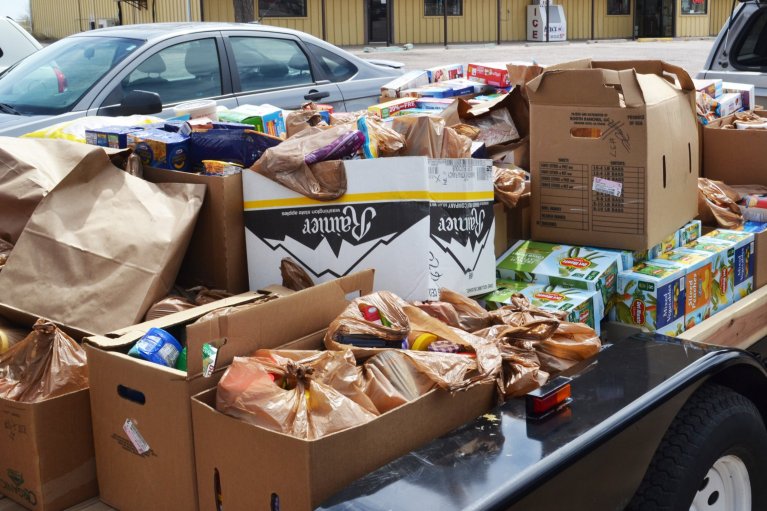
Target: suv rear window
[(751, 50)]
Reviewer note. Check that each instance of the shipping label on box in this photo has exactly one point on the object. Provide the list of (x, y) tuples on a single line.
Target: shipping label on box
[(610, 169), (577, 303), (723, 270), (744, 260), (577, 267), (697, 284), (652, 296), (420, 224)]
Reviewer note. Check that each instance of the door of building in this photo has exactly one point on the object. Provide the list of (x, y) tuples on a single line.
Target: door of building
[(378, 21), (654, 18)]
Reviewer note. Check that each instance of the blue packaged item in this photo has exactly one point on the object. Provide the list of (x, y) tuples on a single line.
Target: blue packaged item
[(436, 92), (161, 149), (157, 346), (231, 144), (115, 137)]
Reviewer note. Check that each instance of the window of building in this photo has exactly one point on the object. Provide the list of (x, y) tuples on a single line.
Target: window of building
[(618, 7), (282, 8), (437, 7), (267, 63), (694, 6)]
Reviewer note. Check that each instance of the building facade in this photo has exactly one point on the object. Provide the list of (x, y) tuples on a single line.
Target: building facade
[(362, 22)]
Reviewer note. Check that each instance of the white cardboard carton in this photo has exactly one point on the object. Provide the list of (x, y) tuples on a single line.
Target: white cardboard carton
[(420, 223)]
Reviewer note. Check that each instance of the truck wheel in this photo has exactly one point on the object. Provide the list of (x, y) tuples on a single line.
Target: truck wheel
[(712, 458)]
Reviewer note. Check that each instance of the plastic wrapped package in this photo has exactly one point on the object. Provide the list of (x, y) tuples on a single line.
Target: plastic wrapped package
[(495, 127), (241, 146), (45, 364), (380, 140), (75, 130), (293, 276), (292, 394), (427, 135), (391, 380), (298, 120), (184, 299), (471, 316), (509, 184), (286, 164), (718, 204)]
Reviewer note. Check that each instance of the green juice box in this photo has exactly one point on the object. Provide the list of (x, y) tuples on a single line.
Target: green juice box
[(589, 269), (651, 295), (697, 284), (744, 259), (722, 268), (578, 303)]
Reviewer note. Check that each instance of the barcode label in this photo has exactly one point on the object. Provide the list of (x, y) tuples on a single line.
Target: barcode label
[(606, 186), (135, 437)]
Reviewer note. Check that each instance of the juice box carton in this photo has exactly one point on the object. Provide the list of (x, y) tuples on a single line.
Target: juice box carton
[(722, 268), (160, 149), (728, 103), (391, 108), (115, 137), (563, 265), (409, 80), (495, 74), (651, 295), (577, 303), (264, 118), (698, 280), (442, 73), (744, 259), (689, 232), (746, 90)]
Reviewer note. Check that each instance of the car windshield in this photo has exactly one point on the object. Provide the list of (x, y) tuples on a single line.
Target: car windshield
[(52, 81)]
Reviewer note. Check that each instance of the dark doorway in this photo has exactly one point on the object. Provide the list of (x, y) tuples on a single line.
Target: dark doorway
[(378, 21), (654, 18)]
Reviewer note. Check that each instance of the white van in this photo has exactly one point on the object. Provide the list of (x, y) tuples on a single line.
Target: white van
[(15, 43)]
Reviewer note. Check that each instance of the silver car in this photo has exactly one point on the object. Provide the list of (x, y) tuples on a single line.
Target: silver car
[(147, 69), (739, 53), (15, 43)]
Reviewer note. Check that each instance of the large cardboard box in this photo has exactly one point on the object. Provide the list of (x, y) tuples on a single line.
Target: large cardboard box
[(216, 254), (420, 223), (46, 449), (255, 468), (734, 156), (156, 401), (614, 153)]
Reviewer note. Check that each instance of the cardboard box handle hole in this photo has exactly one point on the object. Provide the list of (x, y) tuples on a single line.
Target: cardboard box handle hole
[(131, 394), (664, 171), (275, 502), (689, 156), (219, 499), (595, 133)]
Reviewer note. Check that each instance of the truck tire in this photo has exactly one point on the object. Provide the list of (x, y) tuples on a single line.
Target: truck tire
[(712, 457)]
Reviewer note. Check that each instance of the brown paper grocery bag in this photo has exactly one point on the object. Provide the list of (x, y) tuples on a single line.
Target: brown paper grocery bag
[(29, 169), (101, 247)]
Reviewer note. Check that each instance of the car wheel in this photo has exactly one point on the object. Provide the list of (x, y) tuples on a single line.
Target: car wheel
[(712, 458)]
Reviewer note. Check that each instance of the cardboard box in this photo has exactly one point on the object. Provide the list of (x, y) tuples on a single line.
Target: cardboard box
[(511, 224), (723, 270), (652, 296), (576, 267), (409, 80), (255, 467), (688, 233), (47, 461), (612, 169), (421, 224), (115, 137), (728, 104), (216, 254), (264, 118), (391, 108), (747, 93), (698, 278), (477, 88), (734, 156), (494, 74), (162, 149), (442, 73), (759, 230), (156, 400), (744, 264), (578, 304)]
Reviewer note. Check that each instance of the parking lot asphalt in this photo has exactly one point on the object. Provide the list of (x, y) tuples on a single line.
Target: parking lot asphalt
[(688, 53)]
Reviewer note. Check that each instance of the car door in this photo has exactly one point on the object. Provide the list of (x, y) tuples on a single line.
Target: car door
[(186, 68), (275, 69), (741, 55)]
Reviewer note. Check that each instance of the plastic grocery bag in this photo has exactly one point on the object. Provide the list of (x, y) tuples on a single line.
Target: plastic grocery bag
[(286, 163), (293, 276), (5, 251), (380, 140), (10, 334), (184, 299), (718, 204), (296, 393), (74, 131), (45, 364), (427, 135), (391, 379), (509, 184)]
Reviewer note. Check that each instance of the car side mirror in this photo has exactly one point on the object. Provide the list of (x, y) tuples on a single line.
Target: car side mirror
[(140, 102)]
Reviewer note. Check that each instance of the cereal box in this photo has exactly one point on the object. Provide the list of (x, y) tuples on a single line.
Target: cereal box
[(744, 259), (722, 269), (161, 149), (495, 74), (697, 283), (442, 73), (577, 303), (651, 295), (564, 265), (391, 108)]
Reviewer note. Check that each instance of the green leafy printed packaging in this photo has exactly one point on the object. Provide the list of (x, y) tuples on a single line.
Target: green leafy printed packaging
[(651, 295), (722, 269), (744, 259), (589, 269), (680, 238), (578, 303), (698, 280)]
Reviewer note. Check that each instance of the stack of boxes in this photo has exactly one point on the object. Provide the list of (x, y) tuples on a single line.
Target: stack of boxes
[(717, 99)]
